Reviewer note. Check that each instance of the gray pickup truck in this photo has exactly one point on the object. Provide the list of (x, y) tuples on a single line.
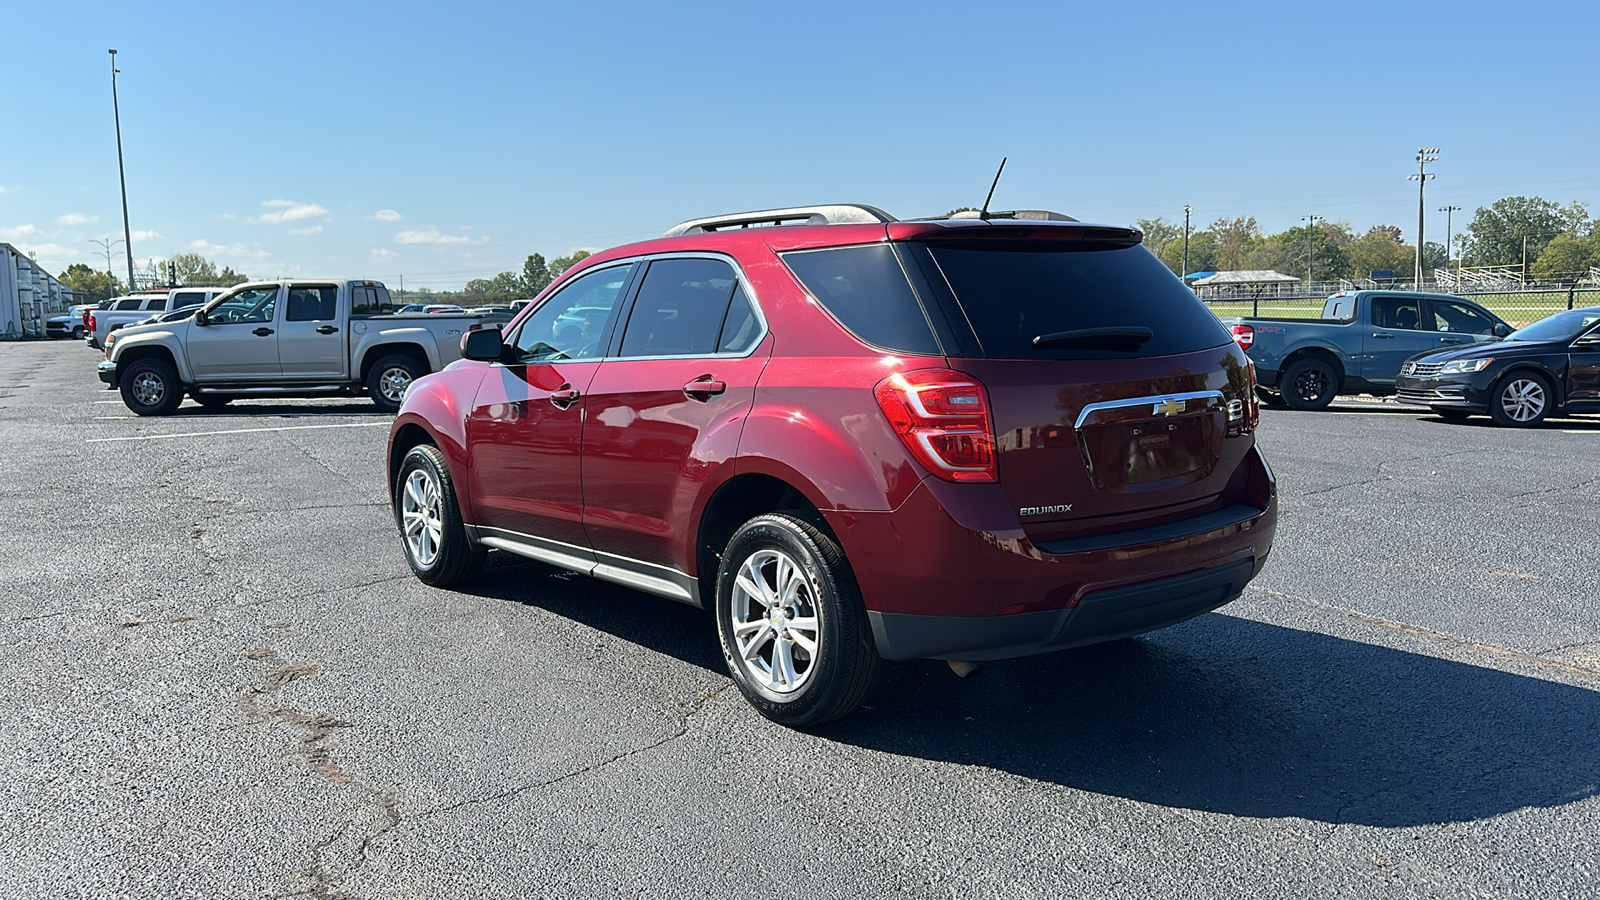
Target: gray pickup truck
[(1358, 344), (292, 338)]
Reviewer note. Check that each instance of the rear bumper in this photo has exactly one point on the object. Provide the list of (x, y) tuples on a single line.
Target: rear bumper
[(1100, 616)]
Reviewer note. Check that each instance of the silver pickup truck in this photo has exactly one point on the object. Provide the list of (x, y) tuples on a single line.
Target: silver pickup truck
[(292, 338)]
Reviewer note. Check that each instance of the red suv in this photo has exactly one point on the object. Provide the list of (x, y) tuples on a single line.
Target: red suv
[(855, 439)]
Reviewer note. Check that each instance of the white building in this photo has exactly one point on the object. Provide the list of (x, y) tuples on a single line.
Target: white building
[(28, 295)]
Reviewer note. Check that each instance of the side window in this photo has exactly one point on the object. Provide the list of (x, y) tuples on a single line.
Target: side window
[(866, 290), (369, 300), (680, 308), (254, 305), (571, 324), (1460, 319), (740, 328), (312, 303), (133, 304), (157, 305), (1397, 312)]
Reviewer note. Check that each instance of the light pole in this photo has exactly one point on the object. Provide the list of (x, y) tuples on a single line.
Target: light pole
[(1186, 212), (106, 244), (1448, 233), (1425, 155), (1310, 247), (116, 111)]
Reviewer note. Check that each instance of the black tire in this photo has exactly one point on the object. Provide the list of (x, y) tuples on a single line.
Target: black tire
[(1310, 383), (389, 377), (1451, 414), (213, 401), (77, 333), (817, 685), (150, 387), (1522, 399), (455, 558), (1271, 398)]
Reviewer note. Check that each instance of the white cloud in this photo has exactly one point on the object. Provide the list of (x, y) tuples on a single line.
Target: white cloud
[(47, 254), (146, 235), (315, 229), (76, 219), (290, 211), (235, 251), (384, 253), (434, 236), (21, 231), (387, 215)]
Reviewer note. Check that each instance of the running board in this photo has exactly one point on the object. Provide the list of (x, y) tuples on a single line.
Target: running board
[(659, 580)]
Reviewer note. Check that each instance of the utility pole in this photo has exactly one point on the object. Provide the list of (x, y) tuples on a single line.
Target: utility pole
[(1524, 260), (1311, 249), (1186, 212), (1448, 233), (127, 236), (106, 244), (1425, 155)]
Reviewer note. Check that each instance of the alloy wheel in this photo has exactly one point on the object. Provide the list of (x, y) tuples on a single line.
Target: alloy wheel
[(420, 513), (775, 623), (1523, 399), (393, 383)]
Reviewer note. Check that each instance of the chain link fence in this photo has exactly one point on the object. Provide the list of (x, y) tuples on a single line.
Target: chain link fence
[(1519, 302)]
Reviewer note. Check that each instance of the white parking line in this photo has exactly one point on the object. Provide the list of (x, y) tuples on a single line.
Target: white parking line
[(116, 417), (162, 437)]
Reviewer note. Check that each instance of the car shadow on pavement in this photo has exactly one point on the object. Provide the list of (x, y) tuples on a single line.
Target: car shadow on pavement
[(1221, 714), (1551, 424), (259, 410)]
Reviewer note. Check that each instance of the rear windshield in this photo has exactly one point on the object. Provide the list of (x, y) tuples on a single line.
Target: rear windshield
[(1012, 295)]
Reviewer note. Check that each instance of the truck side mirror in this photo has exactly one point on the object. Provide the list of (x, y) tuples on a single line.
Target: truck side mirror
[(200, 318), (483, 345)]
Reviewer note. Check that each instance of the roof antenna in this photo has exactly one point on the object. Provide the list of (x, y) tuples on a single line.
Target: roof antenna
[(984, 213)]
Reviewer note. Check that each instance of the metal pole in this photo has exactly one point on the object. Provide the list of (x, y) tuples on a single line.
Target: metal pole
[(1449, 233), (106, 244), (1186, 211), (1310, 246), (1425, 155), (116, 111)]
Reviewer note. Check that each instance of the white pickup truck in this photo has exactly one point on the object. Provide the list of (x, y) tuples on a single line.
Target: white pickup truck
[(135, 308), (292, 338)]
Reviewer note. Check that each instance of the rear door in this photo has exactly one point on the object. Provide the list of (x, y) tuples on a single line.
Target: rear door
[(525, 428), (240, 338), (311, 342), (665, 411), (1400, 327)]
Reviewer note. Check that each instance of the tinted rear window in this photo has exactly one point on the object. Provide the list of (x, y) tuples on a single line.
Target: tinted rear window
[(866, 290), (1013, 295)]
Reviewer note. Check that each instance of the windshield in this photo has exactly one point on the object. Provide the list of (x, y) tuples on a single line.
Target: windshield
[(1562, 326)]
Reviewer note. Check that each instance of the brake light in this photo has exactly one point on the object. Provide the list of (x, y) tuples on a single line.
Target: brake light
[(1245, 335), (942, 416), (91, 321), (1252, 403)]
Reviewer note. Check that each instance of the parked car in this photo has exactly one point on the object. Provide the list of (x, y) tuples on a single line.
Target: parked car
[(1358, 344), (294, 338), (72, 324), (1551, 367), (855, 440)]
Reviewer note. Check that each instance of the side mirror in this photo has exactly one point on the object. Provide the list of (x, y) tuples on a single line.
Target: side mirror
[(200, 318), (1502, 329), (483, 345)]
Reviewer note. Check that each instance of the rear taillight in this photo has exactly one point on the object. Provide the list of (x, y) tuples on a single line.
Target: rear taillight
[(1252, 403), (943, 418), (1245, 335), (91, 321)]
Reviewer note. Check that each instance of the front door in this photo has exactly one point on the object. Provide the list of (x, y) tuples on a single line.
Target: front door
[(1398, 331), (311, 342), (240, 338), (1583, 369), (668, 410), (1460, 323), (525, 428)]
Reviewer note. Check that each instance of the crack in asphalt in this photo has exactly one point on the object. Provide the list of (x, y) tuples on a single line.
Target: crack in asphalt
[(261, 704), (1521, 656)]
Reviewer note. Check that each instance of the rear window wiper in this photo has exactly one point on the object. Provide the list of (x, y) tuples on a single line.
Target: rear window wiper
[(1125, 338)]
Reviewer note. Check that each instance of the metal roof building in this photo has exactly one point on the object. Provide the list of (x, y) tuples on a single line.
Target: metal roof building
[(28, 295)]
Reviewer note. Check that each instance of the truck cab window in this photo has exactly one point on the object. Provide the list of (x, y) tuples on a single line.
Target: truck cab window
[(255, 305)]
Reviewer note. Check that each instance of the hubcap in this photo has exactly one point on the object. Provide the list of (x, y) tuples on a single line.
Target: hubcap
[(1310, 384), (1523, 399), (774, 618), (393, 383), (148, 388), (420, 509)]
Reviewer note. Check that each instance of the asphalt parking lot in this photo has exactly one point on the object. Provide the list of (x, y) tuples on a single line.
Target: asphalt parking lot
[(223, 682)]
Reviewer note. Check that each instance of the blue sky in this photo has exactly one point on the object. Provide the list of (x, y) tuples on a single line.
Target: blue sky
[(447, 141)]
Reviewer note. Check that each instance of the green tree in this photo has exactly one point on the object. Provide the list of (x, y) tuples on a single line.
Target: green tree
[(1379, 251), (228, 277), (89, 285), (1233, 239), (1202, 253), (194, 270), (1498, 231), (561, 264), (1568, 256), (535, 275), (1158, 233)]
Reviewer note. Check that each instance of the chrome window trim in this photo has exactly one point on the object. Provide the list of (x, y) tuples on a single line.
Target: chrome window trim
[(738, 273)]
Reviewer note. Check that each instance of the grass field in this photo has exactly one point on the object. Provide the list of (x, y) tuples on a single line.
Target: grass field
[(1517, 309)]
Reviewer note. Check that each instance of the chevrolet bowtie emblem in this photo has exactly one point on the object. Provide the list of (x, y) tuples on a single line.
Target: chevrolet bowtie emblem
[(1167, 407)]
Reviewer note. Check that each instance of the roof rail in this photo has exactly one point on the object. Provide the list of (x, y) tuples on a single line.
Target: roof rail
[(1031, 215), (838, 214)]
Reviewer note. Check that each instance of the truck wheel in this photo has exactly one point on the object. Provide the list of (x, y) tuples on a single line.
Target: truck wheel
[(793, 631), (389, 377), (431, 529), (1309, 384), (150, 387), (1523, 399), (77, 333)]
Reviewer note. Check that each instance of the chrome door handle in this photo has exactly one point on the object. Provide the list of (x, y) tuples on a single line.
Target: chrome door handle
[(1452, 340), (565, 397), (704, 390), (262, 332)]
